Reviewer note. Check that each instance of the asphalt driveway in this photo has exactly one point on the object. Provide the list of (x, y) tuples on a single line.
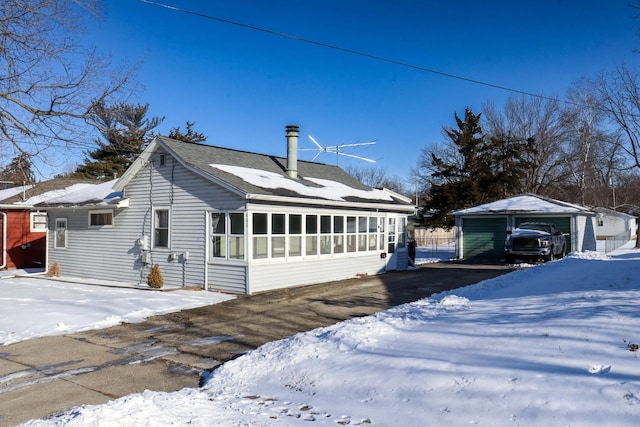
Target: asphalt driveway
[(45, 376)]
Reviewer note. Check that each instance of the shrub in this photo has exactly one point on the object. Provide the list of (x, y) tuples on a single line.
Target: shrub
[(54, 270), (154, 279)]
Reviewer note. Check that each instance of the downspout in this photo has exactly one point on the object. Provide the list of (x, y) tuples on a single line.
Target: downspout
[(4, 239)]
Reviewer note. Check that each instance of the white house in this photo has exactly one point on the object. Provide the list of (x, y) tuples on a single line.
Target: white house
[(610, 223), (231, 221)]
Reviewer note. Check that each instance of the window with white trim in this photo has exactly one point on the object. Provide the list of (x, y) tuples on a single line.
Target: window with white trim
[(260, 232), (311, 234), (325, 234), (278, 238), (285, 236), (236, 235), (38, 222), (227, 235), (295, 235), (161, 228), (338, 234), (218, 235), (61, 233), (101, 218)]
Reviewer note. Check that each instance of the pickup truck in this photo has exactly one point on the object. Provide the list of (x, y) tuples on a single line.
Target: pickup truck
[(534, 241)]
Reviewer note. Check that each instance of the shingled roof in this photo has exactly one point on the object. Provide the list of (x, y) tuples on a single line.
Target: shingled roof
[(257, 176), (23, 194)]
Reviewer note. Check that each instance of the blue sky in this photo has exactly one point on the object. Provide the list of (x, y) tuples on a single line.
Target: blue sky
[(242, 86)]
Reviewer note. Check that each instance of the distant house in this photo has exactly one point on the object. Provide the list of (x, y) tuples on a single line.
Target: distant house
[(230, 221), (23, 228), (481, 230), (610, 223)]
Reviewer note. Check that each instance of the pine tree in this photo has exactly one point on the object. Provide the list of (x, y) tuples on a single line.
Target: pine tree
[(190, 136), (19, 171), (483, 169), (125, 132)]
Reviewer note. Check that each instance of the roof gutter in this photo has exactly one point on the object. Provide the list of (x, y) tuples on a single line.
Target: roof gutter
[(334, 203)]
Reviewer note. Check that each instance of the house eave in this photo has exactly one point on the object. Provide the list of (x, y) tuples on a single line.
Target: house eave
[(331, 203)]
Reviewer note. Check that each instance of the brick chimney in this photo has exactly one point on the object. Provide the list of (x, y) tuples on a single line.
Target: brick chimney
[(292, 151)]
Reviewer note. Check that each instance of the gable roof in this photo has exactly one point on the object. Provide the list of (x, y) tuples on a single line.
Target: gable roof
[(526, 204), (264, 177), (59, 192)]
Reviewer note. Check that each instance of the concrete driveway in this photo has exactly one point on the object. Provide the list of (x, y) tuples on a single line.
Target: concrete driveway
[(45, 376)]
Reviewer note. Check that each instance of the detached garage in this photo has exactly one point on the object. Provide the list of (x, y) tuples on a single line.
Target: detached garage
[(481, 230)]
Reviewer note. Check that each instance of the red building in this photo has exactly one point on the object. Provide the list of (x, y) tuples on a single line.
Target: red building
[(23, 229), (23, 238)]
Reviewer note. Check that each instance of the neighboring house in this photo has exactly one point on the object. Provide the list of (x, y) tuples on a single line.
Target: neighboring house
[(481, 231), (231, 221), (610, 223), (614, 228), (23, 228)]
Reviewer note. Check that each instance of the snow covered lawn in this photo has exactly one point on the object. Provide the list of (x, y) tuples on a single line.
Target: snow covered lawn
[(550, 345), (35, 307)]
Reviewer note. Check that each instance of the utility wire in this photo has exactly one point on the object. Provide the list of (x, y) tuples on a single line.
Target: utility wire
[(350, 51)]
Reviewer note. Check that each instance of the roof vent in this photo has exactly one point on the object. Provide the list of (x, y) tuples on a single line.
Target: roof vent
[(292, 151)]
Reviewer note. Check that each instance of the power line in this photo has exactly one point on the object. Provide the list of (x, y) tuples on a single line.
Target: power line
[(350, 51)]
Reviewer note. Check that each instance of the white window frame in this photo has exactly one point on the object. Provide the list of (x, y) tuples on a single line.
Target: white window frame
[(365, 230), (228, 237), (33, 222), (154, 229), (57, 231), (100, 212)]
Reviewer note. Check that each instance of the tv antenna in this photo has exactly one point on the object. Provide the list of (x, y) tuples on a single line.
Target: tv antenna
[(337, 150)]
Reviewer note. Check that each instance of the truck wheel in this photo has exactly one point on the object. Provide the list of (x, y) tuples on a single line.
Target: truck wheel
[(510, 259), (563, 253), (549, 257)]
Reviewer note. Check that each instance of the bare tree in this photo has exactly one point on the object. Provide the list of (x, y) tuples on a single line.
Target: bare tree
[(377, 178), (592, 154), (538, 120), (49, 84), (618, 93)]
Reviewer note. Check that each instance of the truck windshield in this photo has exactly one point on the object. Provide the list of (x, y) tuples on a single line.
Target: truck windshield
[(539, 227)]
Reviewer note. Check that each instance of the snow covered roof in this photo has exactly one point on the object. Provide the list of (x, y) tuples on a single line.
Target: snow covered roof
[(13, 191), (63, 191), (526, 203), (79, 194), (264, 177)]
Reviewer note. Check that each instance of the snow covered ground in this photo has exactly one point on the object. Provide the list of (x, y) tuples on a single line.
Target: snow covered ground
[(34, 307), (551, 345)]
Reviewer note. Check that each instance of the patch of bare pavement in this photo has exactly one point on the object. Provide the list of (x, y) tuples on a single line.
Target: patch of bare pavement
[(42, 377)]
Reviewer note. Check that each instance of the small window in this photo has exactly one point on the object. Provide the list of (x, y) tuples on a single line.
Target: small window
[(218, 235), (61, 233), (161, 160), (38, 222), (260, 228), (101, 218), (600, 222), (161, 228), (236, 235)]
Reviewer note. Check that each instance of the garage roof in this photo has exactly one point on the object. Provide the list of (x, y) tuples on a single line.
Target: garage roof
[(525, 203)]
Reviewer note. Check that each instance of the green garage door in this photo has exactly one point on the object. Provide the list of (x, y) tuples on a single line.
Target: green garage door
[(562, 223), (483, 238)]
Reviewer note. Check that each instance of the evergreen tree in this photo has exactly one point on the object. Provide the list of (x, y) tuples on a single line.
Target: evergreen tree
[(125, 131), (190, 136), (480, 169), (19, 170)]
